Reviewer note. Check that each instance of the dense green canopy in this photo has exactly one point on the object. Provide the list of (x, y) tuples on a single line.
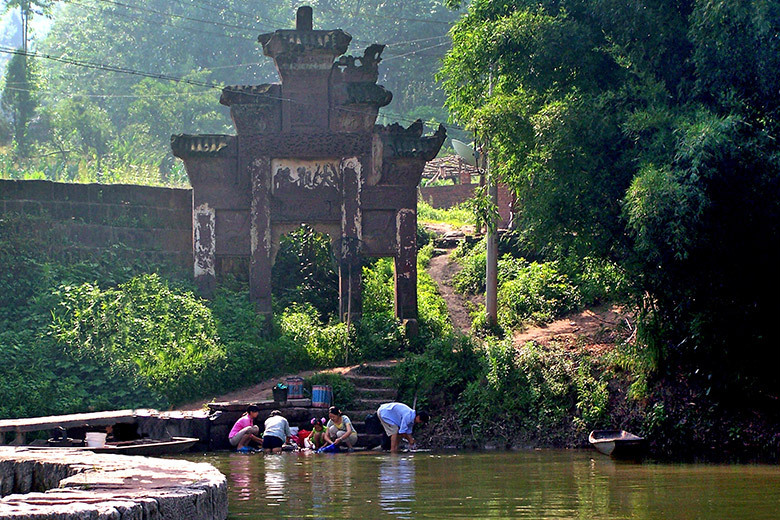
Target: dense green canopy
[(207, 44), (644, 132)]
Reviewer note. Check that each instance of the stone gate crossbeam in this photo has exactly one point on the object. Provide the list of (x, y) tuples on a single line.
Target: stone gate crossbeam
[(307, 150)]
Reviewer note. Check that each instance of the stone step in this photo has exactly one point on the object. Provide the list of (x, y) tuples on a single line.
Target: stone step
[(365, 381), (369, 404), (368, 440), (381, 393), (378, 369), (359, 415)]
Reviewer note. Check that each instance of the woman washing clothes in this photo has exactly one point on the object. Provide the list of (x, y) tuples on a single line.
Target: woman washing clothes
[(339, 430)]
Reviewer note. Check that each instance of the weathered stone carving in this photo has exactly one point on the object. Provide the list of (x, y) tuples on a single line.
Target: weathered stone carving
[(307, 151)]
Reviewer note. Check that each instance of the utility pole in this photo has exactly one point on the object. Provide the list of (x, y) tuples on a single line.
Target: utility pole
[(491, 270)]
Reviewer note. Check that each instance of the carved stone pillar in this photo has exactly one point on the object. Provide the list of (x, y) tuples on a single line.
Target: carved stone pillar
[(350, 286), (260, 236), (204, 244), (406, 265)]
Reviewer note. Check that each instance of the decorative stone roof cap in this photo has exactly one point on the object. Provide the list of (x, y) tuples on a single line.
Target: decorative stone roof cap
[(409, 142), (184, 145), (266, 94), (287, 41)]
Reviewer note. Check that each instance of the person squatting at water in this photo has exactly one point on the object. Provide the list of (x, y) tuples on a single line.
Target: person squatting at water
[(316, 438), (277, 432), (398, 420), (245, 429), (339, 429)]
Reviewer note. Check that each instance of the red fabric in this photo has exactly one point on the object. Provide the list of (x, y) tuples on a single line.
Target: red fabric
[(301, 437)]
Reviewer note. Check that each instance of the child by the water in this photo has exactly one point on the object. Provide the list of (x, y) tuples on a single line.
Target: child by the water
[(316, 438)]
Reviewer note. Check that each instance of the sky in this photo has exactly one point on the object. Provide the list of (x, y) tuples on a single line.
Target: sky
[(11, 32)]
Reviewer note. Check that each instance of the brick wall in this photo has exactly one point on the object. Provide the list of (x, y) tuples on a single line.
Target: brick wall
[(156, 222), (442, 197)]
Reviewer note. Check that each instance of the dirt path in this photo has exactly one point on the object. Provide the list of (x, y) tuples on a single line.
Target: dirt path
[(442, 269), (596, 330)]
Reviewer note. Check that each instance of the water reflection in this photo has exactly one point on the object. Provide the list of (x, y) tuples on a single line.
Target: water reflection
[(396, 485), (275, 478), (319, 491), (546, 485), (241, 477)]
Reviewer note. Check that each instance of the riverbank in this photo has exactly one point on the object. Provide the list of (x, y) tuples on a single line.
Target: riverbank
[(548, 386)]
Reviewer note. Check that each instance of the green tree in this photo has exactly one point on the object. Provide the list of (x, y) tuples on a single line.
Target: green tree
[(643, 133), (168, 38), (20, 98), (79, 125), (26, 9)]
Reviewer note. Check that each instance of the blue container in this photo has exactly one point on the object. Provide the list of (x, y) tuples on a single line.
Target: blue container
[(321, 396), (294, 387)]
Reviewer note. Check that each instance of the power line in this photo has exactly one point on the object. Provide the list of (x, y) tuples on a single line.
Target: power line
[(166, 77), (151, 22), (220, 24), (415, 52), (110, 96), (182, 17)]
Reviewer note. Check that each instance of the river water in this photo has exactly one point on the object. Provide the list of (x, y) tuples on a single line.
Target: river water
[(546, 484)]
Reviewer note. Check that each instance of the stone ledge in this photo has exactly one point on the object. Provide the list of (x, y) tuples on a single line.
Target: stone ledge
[(75, 485)]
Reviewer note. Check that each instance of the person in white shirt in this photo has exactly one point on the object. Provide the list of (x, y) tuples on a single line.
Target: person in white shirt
[(277, 432)]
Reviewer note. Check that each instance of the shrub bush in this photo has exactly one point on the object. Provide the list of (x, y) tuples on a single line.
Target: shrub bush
[(323, 346), (530, 393), (438, 375), (305, 272), (457, 216), (165, 339), (598, 281), (536, 292), (471, 278)]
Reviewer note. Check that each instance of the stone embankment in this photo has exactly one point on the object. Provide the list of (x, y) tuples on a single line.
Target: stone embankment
[(79, 485)]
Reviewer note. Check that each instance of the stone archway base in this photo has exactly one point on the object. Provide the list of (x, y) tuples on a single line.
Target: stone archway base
[(79, 485)]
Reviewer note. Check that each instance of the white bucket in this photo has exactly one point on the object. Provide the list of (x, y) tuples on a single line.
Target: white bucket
[(95, 439)]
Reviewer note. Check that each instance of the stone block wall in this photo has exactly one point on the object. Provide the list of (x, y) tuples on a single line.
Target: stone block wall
[(150, 221), (447, 196)]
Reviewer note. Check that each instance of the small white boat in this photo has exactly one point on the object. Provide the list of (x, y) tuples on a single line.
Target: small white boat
[(618, 444)]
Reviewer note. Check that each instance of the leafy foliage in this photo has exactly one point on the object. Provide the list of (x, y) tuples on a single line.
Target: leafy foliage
[(110, 332), (532, 392), (214, 46), (437, 376), (456, 216), (305, 268), (538, 293), (655, 155), (144, 330), (20, 98)]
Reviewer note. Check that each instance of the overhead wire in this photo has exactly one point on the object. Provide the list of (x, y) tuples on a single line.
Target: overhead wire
[(182, 17), (153, 22), (227, 25), (415, 52), (390, 55), (168, 77), (110, 96)]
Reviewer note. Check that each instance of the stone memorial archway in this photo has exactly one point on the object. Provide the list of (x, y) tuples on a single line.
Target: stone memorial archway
[(307, 150)]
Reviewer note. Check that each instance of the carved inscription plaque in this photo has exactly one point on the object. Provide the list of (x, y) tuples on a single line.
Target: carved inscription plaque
[(300, 176)]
